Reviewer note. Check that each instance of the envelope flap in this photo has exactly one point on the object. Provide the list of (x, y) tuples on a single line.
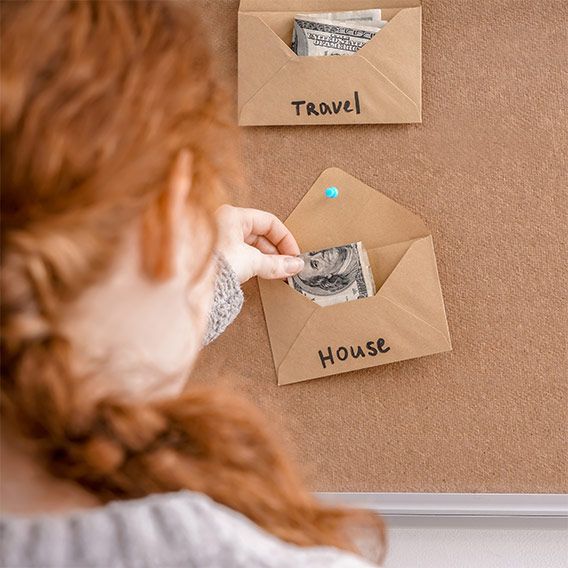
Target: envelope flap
[(397, 52), (358, 213), (261, 54), (385, 259), (304, 6), (414, 285)]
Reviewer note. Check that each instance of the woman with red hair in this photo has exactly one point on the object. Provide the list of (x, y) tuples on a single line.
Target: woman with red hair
[(119, 262)]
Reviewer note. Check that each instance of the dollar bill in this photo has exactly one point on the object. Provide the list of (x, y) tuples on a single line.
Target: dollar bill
[(315, 36), (335, 275), (371, 15)]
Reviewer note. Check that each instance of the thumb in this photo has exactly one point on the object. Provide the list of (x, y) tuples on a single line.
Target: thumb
[(273, 266)]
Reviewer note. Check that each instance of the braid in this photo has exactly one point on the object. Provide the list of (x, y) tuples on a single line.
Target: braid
[(209, 441)]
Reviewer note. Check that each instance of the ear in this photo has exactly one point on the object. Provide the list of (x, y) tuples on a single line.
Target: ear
[(162, 222)]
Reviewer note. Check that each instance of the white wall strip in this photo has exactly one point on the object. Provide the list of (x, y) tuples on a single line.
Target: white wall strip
[(455, 504)]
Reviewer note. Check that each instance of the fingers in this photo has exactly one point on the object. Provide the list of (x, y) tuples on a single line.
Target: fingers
[(271, 267), (262, 244), (264, 224)]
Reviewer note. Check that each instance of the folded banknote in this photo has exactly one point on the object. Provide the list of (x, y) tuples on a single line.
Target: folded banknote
[(335, 275), (335, 33)]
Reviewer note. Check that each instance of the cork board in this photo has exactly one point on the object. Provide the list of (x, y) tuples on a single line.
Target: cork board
[(486, 170)]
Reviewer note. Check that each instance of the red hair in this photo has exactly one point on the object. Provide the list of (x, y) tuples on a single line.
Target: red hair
[(98, 100)]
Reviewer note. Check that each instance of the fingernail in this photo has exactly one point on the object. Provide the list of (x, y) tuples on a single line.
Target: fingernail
[(293, 265)]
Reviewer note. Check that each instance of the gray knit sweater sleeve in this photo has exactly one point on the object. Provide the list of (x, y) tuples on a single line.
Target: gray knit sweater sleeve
[(227, 300), (172, 530)]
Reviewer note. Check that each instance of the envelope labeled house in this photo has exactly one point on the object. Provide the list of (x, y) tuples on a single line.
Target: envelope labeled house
[(405, 319), (380, 83)]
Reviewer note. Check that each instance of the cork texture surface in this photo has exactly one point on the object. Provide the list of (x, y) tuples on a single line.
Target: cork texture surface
[(487, 172)]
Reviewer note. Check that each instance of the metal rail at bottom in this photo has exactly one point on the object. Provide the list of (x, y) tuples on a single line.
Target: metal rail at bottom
[(461, 510)]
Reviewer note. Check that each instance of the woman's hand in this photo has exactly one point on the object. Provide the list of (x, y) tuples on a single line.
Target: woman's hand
[(256, 243)]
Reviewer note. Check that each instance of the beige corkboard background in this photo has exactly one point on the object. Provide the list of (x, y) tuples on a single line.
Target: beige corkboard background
[(486, 170)]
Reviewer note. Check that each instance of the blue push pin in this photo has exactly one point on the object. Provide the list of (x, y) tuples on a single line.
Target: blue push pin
[(331, 192)]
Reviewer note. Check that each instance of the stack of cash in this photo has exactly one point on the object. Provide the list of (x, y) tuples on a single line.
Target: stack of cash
[(335, 33), (335, 275)]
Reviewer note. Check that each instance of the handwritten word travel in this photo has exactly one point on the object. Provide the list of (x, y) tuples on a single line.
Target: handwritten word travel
[(323, 108)]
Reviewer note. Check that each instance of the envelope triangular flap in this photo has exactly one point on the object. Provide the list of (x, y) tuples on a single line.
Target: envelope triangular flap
[(282, 24), (414, 285), (258, 66), (358, 213), (278, 298), (385, 259), (397, 52)]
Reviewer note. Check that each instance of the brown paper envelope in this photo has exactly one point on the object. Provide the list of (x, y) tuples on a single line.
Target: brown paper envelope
[(385, 73), (407, 312)]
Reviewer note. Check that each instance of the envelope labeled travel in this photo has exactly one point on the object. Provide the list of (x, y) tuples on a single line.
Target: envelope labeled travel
[(380, 83), (405, 319)]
